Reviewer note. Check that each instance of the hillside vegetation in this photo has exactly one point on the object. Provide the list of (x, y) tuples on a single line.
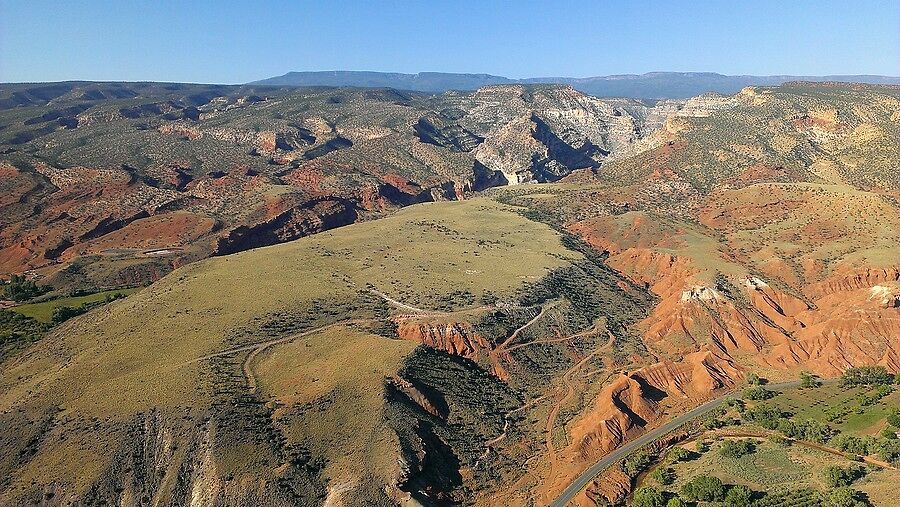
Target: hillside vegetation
[(486, 348)]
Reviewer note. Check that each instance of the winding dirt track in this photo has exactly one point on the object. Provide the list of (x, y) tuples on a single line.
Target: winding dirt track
[(515, 334), (570, 391), (586, 332), (256, 348), (402, 305), (506, 422), (566, 379)]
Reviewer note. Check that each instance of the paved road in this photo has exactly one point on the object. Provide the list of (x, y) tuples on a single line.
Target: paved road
[(610, 459)]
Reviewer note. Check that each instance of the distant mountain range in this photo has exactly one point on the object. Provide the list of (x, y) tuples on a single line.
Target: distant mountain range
[(653, 85)]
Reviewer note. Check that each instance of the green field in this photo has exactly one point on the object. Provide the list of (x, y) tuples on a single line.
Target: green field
[(770, 467), (818, 403), (779, 470), (43, 312), (785, 464)]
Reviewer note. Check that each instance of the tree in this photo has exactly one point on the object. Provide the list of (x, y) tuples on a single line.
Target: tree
[(843, 497), (64, 313), (637, 463), (815, 431), (889, 450), (893, 418), (676, 502), (703, 446), (679, 454), (738, 496), (866, 376), (758, 393), (807, 380), (663, 475), (764, 415), (835, 477), (839, 477), (889, 433), (853, 444), (753, 379), (648, 497), (736, 448), (19, 289), (703, 488)]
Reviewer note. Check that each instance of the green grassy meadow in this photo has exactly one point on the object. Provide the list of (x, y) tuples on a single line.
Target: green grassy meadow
[(43, 311)]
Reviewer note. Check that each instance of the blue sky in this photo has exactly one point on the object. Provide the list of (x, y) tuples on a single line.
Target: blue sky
[(233, 42)]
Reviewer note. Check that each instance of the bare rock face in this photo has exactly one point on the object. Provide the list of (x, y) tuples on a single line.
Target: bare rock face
[(544, 134), (620, 412), (456, 338), (326, 157), (309, 218), (435, 130)]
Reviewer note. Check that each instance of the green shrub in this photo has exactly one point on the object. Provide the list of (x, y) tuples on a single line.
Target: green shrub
[(853, 444), (17, 330), (807, 380), (678, 454), (738, 496), (779, 440), (713, 423), (889, 450), (866, 376), (676, 502), (64, 313), (809, 430), (637, 463), (703, 488), (766, 416), (803, 497), (758, 393), (19, 289), (648, 497), (836, 476), (844, 497), (893, 418), (663, 475), (737, 448)]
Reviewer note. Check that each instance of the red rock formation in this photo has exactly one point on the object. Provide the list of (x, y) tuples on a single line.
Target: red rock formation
[(847, 328), (457, 338), (622, 411), (612, 487), (695, 377), (849, 279)]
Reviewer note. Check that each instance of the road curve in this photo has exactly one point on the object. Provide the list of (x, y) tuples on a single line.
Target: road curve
[(610, 459)]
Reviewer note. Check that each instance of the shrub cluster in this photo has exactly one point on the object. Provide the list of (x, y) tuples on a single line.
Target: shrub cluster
[(20, 289), (866, 376)]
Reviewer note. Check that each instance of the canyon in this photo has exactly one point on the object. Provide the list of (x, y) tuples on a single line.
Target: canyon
[(371, 295)]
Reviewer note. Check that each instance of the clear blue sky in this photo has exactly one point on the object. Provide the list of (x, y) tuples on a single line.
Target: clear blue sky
[(233, 42)]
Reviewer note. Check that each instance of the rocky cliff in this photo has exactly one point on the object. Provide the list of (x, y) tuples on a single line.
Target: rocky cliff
[(228, 168)]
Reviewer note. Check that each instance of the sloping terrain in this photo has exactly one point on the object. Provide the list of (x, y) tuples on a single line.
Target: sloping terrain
[(820, 133), (240, 378), (485, 351), (117, 183)]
